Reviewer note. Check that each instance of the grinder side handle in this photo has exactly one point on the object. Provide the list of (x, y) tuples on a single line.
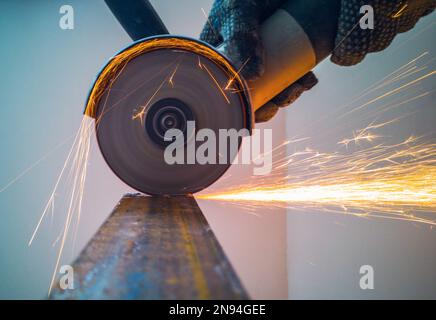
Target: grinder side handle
[(137, 17)]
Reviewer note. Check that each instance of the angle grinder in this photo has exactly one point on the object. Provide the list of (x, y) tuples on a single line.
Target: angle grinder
[(163, 81)]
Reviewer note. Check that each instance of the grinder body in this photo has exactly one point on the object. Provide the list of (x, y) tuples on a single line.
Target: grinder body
[(295, 38)]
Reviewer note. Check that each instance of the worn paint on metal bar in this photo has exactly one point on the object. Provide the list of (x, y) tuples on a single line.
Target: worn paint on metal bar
[(154, 248)]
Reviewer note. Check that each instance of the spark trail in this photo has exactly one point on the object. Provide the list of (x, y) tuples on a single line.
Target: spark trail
[(76, 166), (377, 179), (388, 181)]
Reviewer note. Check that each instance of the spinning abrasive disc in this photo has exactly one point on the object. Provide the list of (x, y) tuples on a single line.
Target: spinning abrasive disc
[(159, 84)]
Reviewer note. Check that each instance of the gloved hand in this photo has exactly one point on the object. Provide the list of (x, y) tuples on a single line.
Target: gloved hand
[(391, 17), (236, 22)]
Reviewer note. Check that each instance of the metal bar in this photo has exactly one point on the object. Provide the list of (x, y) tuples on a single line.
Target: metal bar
[(154, 248)]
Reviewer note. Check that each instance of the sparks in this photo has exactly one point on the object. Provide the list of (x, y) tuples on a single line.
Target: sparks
[(171, 79), (77, 162), (230, 82), (365, 134), (140, 114), (216, 82), (391, 92), (400, 12), (388, 181)]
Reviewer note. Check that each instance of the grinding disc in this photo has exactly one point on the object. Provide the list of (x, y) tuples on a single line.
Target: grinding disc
[(160, 89)]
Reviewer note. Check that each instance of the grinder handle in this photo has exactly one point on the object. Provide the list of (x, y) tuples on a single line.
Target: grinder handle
[(295, 38), (137, 17)]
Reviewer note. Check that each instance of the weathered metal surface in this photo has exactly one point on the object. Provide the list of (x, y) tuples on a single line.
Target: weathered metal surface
[(154, 248)]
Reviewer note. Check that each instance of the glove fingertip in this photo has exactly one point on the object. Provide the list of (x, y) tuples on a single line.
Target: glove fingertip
[(266, 112), (308, 81)]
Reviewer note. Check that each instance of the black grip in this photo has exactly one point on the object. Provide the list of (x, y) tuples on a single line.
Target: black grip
[(137, 17), (319, 19)]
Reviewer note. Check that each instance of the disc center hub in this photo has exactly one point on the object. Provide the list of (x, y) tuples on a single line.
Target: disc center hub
[(166, 114)]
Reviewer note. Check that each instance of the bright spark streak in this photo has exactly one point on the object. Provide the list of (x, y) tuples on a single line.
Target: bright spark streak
[(347, 34), (403, 102), (77, 161), (380, 192), (391, 92), (360, 136), (170, 80), (379, 181), (199, 63), (378, 84), (33, 165), (216, 82), (229, 83), (209, 23), (400, 12), (50, 202), (365, 134), (140, 114), (79, 165)]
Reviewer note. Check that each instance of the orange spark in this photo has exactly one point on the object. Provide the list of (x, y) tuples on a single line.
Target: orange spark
[(141, 112), (391, 92), (77, 161), (229, 83), (170, 80), (216, 83), (383, 181), (400, 12)]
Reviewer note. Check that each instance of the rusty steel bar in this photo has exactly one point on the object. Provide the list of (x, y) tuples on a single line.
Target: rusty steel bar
[(154, 248)]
